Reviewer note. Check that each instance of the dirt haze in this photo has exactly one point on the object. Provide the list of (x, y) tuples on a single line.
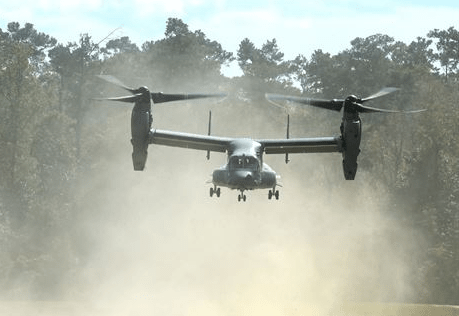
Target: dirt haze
[(155, 242)]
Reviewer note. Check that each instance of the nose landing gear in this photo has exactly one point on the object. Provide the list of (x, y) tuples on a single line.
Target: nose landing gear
[(274, 193), (214, 190), (242, 197)]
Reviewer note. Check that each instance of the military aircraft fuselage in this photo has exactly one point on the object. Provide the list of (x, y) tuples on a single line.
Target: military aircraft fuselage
[(245, 169)]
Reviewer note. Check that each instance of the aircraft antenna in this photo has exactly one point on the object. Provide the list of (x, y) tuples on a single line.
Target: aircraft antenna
[(288, 136), (208, 132)]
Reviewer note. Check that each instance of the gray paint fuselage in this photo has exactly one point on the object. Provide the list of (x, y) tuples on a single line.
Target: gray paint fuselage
[(245, 169)]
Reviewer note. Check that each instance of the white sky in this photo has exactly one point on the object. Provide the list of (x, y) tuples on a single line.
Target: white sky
[(299, 26)]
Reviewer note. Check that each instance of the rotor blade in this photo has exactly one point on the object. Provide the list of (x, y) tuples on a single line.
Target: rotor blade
[(337, 104), (368, 109), (272, 101), (380, 93), (116, 82), (159, 97), (129, 99), (334, 104)]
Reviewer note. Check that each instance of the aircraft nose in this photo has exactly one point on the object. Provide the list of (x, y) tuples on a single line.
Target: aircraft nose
[(242, 174), (245, 177)]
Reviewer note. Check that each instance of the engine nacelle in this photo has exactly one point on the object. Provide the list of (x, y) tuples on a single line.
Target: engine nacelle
[(140, 128), (351, 130)]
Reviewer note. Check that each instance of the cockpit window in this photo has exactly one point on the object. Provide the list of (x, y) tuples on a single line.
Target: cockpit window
[(243, 162)]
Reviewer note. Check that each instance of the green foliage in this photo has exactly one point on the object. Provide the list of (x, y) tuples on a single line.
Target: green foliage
[(51, 135), (184, 58), (119, 46), (266, 63), (264, 70), (39, 43), (448, 49)]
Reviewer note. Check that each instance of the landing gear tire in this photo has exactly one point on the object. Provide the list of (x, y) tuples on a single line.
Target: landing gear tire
[(274, 193), (214, 190), (242, 197)]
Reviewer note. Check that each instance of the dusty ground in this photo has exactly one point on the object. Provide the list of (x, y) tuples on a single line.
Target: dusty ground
[(348, 309), (155, 243)]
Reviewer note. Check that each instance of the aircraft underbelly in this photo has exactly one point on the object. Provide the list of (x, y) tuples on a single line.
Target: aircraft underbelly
[(241, 181), (268, 179), (220, 177)]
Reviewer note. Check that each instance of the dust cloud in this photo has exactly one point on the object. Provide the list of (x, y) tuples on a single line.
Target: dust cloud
[(155, 243)]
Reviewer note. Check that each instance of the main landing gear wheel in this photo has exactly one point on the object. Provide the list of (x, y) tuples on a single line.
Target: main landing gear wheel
[(214, 190), (274, 193), (242, 197)]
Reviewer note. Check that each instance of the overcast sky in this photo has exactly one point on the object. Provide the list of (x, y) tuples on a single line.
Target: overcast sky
[(299, 26)]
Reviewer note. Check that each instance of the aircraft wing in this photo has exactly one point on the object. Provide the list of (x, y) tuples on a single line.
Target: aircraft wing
[(187, 140), (302, 145), (221, 144)]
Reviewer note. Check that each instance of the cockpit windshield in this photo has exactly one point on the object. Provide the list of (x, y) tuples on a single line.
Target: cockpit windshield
[(243, 162)]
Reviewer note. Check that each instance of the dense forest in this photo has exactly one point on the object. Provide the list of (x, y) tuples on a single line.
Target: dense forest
[(52, 135)]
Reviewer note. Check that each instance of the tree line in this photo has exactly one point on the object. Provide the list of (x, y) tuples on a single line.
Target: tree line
[(49, 137)]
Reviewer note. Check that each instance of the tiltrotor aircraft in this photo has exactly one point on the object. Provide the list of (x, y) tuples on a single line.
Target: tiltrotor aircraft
[(245, 169)]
